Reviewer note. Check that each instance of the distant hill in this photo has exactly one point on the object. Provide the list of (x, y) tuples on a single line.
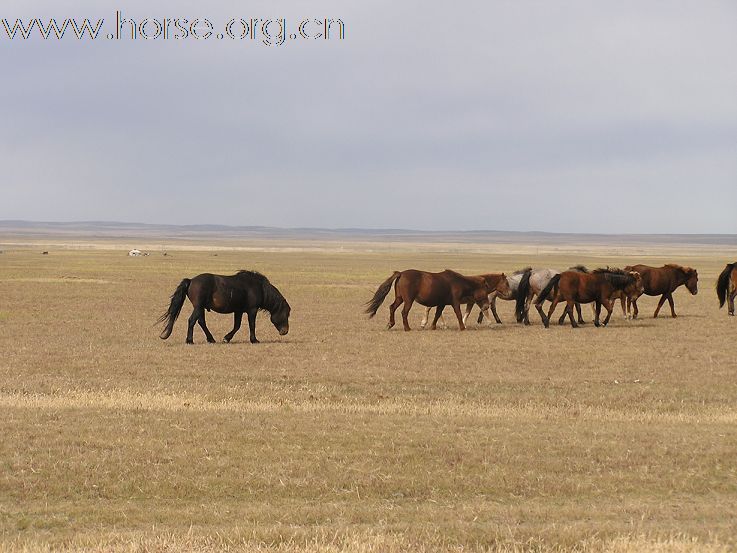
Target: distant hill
[(110, 230)]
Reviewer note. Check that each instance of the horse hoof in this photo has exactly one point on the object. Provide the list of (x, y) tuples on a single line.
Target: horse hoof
[(226, 341), (254, 341), (189, 342)]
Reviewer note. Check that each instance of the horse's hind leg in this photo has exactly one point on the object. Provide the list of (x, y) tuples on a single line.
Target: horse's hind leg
[(203, 326), (237, 318), (469, 307), (492, 303), (580, 316), (423, 324), (569, 307), (597, 312), (190, 324), (730, 302), (660, 304), (457, 309), (562, 318), (609, 306), (405, 313), (438, 314), (539, 307), (392, 308)]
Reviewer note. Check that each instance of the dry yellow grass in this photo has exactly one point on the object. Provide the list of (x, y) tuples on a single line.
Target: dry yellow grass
[(342, 436)]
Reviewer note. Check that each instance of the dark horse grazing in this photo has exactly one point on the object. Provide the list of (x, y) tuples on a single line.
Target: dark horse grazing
[(245, 292), (578, 287), (663, 280), (727, 287), (430, 290)]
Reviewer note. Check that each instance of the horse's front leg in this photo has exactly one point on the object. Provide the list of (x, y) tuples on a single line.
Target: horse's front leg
[(237, 318), (252, 325), (730, 302), (672, 307)]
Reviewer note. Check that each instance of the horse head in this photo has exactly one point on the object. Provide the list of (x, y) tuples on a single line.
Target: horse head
[(637, 287), (503, 286), (280, 318), (692, 280)]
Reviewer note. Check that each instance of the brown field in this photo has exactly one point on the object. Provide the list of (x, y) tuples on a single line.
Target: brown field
[(342, 436)]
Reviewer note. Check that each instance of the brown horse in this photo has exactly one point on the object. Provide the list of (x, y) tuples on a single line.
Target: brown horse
[(579, 287), (245, 292), (498, 283), (663, 280), (430, 290), (727, 287)]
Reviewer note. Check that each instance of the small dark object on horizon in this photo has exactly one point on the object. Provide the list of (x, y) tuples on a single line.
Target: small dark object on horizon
[(44, 253)]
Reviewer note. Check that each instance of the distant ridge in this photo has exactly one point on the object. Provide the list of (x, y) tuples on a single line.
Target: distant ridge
[(111, 229)]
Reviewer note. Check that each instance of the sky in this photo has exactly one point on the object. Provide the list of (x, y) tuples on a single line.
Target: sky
[(566, 116)]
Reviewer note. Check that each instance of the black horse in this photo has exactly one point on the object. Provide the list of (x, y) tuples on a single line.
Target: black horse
[(245, 292)]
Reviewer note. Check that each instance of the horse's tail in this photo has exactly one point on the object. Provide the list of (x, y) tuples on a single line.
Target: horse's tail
[(373, 305), (175, 307), (545, 292), (723, 283), (522, 290)]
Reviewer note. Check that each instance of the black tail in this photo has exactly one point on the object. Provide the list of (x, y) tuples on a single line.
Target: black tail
[(373, 306), (546, 291), (175, 307), (723, 283), (522, 290)]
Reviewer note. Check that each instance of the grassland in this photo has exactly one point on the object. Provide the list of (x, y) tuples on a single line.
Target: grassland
[(343, 436)]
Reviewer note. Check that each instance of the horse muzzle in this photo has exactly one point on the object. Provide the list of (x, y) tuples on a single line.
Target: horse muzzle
[(283, 331)]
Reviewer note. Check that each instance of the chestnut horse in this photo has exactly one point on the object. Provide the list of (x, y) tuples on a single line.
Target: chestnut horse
[(663, 280), (499, 283), (579, 287), (245, 292), (727, 287), (430, 290)]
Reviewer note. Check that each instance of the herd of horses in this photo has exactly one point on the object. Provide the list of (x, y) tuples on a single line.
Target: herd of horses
[(248, 292), (576, 286)]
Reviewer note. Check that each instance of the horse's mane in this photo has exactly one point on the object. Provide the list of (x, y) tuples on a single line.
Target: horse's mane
[(255, 275), (618, 277), (611, 270), (580, 269), (685, 271), (273, 300)]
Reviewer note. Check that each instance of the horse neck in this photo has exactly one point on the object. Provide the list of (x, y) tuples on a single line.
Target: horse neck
[(272, 299)]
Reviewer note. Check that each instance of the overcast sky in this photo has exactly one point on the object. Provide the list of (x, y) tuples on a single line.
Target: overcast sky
[(572, 116)]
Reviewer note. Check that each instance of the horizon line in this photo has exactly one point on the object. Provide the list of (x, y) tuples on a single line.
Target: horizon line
[(4, 222)]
